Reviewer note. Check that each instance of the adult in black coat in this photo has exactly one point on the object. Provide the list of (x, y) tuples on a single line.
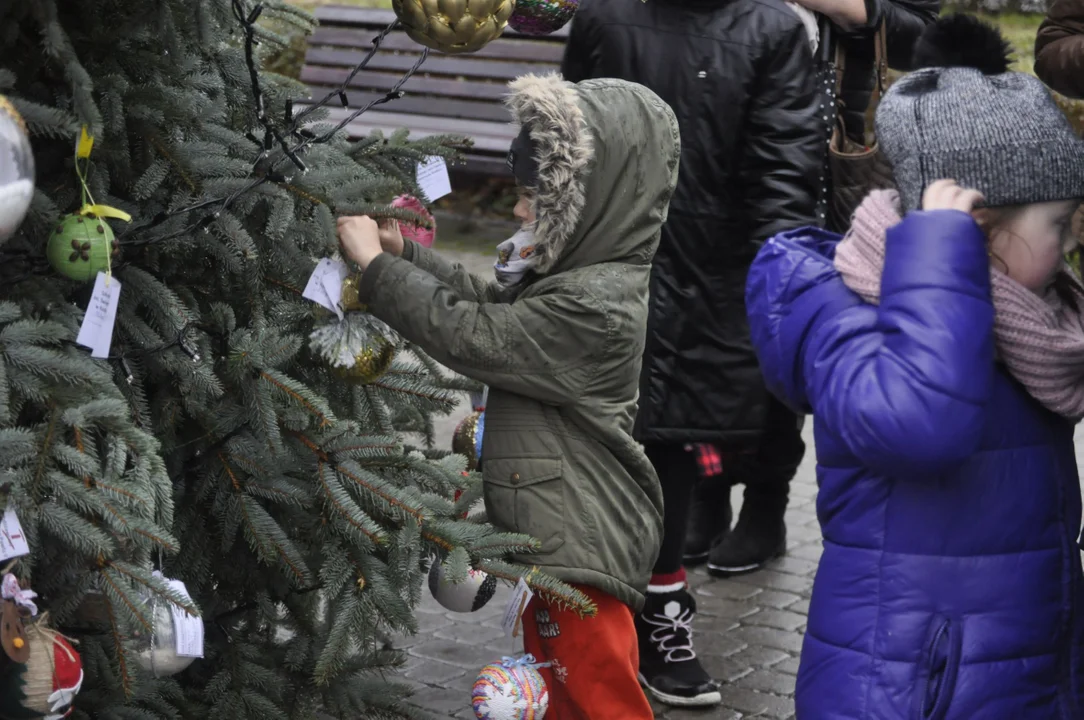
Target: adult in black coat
[(740, 77)]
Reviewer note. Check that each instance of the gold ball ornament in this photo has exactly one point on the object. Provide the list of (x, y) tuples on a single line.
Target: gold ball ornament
[(467, 439), (370, 363), (454, 26), (349, 297)]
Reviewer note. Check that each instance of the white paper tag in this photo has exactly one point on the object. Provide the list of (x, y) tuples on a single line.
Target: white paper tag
[(333, 286), (187, 629), (315, 289), (97, 330), (12, 540), (433, 178), (521, 596)]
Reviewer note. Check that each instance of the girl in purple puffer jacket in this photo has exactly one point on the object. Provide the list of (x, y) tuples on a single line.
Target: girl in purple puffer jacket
[(939, 347)]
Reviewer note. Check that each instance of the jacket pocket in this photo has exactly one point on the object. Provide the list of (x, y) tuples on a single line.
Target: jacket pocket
[(526, 495), (936, 681)]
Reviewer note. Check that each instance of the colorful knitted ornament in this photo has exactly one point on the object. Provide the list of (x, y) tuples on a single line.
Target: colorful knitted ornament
[(422, 235), (512, 689), (542, 17)]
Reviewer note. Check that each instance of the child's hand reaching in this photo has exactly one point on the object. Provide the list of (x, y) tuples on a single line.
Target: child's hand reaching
[(359, 236), (391, 238), (947, 195)]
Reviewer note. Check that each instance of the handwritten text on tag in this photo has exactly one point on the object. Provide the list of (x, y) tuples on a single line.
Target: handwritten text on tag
[(433, 178), (521, 596), (316, 289), (96, 332)]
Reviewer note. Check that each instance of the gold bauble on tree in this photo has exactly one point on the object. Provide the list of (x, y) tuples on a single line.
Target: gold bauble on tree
[(371, 362), (349, 296), (454, 26), (467, 440)]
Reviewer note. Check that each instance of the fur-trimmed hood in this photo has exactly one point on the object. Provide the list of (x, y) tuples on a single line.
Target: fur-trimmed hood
[(607, 153)]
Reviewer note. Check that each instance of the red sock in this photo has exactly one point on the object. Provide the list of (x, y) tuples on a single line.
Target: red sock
[(666, 583)]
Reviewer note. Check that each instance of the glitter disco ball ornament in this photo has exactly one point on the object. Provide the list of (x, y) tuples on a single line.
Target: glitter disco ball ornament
[(16, 170), (80, 246), (542, 17), (470, 595), (512, 689), (467, 439), (453, 26), (371, 362)]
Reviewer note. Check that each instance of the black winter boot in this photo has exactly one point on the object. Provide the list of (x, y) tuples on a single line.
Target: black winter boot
[(669, 668), (760, 534), (710, 516)]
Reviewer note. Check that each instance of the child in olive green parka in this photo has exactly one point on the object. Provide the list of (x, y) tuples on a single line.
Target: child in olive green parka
[(559, 339)]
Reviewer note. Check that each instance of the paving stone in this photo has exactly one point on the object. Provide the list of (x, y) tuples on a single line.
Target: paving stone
[(757, 704), (771, 681), (794, 566), (432, 672), (730, 589), (439, 701), (778, 599), (469, 657), (769, 637), (810, 550), (759, 656), (781, 619), (470, 634), (780, 581), (699, 714), (790, 665)]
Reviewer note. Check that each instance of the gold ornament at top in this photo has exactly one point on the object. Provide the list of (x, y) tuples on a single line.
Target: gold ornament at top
[(454, 26), (370, 363), (349, 296)]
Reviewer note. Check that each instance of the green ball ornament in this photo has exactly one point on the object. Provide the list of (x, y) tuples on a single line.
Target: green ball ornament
[(80, 246)]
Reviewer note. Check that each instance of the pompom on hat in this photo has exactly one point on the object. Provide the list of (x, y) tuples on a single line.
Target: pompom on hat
[(963, 116)]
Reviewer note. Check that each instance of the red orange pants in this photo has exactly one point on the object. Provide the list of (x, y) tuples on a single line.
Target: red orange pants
[(595, 660)]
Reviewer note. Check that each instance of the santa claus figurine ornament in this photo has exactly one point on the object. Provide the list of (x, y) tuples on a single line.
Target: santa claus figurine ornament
[(40, 671)]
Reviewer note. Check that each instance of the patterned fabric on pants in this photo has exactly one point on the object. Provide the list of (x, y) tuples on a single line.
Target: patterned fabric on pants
[(595, 660)]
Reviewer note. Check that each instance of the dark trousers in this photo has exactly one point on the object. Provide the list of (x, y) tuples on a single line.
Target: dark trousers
[(766, 473)]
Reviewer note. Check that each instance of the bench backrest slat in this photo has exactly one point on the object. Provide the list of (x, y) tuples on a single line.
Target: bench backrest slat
[(453, 94)]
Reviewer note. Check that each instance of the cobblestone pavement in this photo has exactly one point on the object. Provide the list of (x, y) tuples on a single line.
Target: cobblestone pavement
[(748, 632)]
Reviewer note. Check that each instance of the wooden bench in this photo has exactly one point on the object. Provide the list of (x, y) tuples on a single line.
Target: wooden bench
[(458, 94)]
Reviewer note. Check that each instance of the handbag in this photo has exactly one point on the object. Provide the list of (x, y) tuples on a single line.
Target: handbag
[(856, 169)]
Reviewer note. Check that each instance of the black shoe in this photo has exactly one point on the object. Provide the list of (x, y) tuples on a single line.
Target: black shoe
[(759, 536), (710, 516), (669, 668)]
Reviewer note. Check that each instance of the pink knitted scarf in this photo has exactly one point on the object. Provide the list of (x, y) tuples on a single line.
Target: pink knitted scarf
[(1040, 340)]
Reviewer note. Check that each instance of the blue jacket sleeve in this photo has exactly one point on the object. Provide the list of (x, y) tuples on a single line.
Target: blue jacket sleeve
[(902, 385)]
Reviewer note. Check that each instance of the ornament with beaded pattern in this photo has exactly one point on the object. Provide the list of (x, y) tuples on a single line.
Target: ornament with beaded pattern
[(542, 17)]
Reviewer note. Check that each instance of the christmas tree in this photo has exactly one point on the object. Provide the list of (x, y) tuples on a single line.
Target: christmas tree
[(232, 434)]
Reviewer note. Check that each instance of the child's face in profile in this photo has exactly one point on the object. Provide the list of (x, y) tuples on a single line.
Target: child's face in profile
[(524, 210), (1030, 246)]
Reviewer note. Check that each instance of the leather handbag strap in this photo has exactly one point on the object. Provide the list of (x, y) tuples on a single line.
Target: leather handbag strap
[(880, 63)]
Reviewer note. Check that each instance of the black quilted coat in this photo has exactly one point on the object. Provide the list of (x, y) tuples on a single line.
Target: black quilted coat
[(740, 77)]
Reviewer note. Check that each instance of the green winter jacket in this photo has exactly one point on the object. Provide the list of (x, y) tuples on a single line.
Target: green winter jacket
[(561, 353)]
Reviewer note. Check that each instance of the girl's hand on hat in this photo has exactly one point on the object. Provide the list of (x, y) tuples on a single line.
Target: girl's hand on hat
[(947, 195), (359, 236), (391, 238)]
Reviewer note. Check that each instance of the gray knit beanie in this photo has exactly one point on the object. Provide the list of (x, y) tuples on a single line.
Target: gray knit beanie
[(965, 118)]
